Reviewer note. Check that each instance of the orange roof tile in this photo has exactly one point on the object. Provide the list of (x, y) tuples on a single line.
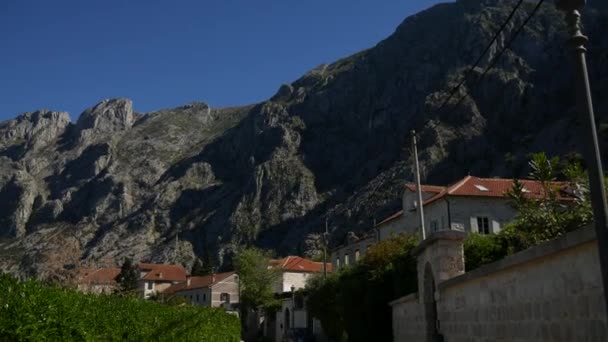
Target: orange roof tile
[(425, 188), (493, 187), (390, 218), (299, 264), (198, 282), (163, 272), (101, 276)]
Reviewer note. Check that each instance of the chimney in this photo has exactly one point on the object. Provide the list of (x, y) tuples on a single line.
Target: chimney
[(160, 275), (188, 281), (212, 278)]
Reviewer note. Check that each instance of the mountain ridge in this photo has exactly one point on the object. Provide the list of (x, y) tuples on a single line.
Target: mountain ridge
[(197, 182)]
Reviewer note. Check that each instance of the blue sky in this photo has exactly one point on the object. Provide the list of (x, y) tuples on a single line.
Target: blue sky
[(69, 55)]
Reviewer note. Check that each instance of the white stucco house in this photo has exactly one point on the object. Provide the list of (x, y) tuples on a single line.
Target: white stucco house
[(294, 271), (471, 205), (293, 314), (213, 290)]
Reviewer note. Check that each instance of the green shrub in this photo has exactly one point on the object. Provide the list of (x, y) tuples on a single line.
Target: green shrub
[(30, 311), (482, 249)]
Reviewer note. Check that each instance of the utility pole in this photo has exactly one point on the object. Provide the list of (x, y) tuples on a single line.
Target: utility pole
[(418, 187), (592, 154), (325, 251)]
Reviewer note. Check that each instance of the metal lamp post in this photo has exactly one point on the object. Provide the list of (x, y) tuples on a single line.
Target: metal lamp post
[(592, 153)]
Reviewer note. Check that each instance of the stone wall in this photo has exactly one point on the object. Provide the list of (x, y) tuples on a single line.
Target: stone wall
[(408, 319), (552, 292)]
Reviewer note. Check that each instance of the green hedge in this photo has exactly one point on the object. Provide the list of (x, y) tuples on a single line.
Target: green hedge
[(30, 311), (352, 304)]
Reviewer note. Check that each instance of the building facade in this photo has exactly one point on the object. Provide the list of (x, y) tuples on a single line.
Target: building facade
[(214, 290), (471, 205), (156, 278)]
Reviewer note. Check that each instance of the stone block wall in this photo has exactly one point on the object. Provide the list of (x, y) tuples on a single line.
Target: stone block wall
[(551, 292), (408, 319), (553, 297)]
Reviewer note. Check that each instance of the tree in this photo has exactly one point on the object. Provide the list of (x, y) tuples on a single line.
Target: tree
[(352, 304), (538, 219), (256, 282), (128, 277), (200, 269), (256, 278), (550, 216)]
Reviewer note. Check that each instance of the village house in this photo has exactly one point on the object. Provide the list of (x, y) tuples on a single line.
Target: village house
[(99, 281), (471, 205), (156, 278), (213, 290), (153, 279), (295, 271)]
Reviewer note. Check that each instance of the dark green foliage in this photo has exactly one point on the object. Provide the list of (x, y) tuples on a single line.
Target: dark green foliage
[(352, 304), (255, 278), (323, 304), (200, 269), (30, 311), (482, 249), (128, 277)]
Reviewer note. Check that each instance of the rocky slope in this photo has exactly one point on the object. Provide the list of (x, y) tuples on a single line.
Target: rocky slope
[(196, 181)]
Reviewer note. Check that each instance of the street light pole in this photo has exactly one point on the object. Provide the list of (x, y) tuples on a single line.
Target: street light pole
[(592, 153), (293, 307), (325, 251), (418, 187)]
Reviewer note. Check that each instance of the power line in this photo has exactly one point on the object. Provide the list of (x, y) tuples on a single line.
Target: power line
[(487, 48), (497, 56)]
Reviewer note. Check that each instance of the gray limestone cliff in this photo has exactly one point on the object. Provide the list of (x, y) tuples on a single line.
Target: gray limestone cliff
[(195, 181)]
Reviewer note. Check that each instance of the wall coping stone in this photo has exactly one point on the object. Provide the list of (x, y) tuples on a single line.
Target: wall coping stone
[(570, 240), (454, 235), (407, 298)]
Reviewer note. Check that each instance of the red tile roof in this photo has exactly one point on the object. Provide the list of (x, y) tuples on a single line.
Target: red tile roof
[(493, 187), (390, 218), (163, 272), (101, 276), (478, 187), (298, 264), (425, 188), (199, 282)]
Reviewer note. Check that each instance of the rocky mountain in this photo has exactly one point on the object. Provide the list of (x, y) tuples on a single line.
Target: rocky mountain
[(196, 182)]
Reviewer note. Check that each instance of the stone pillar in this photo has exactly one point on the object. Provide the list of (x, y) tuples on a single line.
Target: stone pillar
[(443, 252)]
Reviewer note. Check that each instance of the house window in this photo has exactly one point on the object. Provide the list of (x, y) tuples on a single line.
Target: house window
[(150, 285), (357, 255), (434, 226), (204, 297), (225, 297), (345, 259), (197, 298), (337, 263), (483, 225)]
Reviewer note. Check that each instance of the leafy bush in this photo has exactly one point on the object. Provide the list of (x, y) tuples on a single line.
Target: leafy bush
[(538, 220), (30, 311), (353, 304)]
